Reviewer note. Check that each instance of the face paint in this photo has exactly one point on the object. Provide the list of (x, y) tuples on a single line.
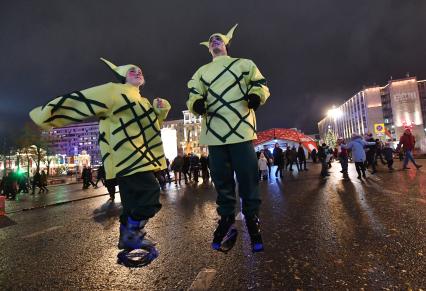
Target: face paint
[(216, 41), (135, 77)]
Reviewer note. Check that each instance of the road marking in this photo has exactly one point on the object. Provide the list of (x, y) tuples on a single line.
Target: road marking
[(203, 280), (37, 233)]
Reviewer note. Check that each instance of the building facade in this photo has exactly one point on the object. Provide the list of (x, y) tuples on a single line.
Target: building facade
[(386, 111), (72, 140), (188, 132)]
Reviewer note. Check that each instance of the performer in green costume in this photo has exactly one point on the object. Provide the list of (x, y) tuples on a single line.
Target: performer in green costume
[(129, 139), (227, 92)]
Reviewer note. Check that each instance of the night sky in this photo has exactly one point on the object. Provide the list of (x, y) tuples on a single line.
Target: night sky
[(313, 53)]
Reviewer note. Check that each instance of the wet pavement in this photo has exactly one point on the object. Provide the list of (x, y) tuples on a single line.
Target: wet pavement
[(319, 234), (57, 194)]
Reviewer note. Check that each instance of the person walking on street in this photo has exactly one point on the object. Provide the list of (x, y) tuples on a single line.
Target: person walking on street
[(194, 164), (379, 152), (278, 160), (185, 169), (263, 166), (287, 156), (23, 183), (314, 155), (36, 182), (100, 176), (293, 158), (371, 152), (388, 153), (204, 162), (176, 167), (342, 154), (43, 181), (357, 145), (86, 175), (167, 171), (110, 185), (10, 186), (301, 157), (407, 142), (228, 128), (269, 158), (322, 156)]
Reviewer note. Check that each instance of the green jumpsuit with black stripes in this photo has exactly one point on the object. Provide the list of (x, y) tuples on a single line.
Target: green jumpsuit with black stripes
[(228, 128), (129, 139)]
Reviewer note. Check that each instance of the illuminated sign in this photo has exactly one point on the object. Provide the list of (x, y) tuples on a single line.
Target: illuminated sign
[(405, 97), (379, 128)]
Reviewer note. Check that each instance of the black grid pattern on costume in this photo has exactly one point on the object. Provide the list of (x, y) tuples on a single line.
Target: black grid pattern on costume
[(145, 150), (78, 96), (103, 139), (219, 98)]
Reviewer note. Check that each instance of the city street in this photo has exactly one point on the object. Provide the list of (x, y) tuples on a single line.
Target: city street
[(319, 234)]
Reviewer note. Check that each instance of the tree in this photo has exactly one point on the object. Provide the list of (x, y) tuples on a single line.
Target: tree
[(7, 146), (330, 138), (33, 144)]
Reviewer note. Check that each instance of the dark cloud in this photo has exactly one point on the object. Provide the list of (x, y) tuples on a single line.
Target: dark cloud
[(313, 53)]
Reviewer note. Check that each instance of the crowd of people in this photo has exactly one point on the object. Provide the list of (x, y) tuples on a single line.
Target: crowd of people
[(15, 182), (282, 159), (365, 152), (191, 167)]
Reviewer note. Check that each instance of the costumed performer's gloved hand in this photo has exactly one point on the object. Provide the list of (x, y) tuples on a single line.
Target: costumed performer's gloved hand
[(159, 102), (199, 107), (253, 101)]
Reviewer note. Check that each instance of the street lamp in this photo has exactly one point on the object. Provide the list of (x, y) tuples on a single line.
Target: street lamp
[(335, 113)]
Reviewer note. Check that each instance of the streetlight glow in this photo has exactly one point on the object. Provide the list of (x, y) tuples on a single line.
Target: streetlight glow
[(335, 112)]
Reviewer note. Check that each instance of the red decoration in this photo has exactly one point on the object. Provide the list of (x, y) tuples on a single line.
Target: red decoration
[(286, 134)]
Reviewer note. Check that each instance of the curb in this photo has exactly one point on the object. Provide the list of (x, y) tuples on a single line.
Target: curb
[(55, 204)]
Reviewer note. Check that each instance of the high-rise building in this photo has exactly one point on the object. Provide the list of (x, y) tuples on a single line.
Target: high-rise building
[(72, 140), (386, 111)]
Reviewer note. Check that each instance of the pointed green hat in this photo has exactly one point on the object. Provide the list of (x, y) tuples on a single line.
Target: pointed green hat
[(119, 71), (225, 37)]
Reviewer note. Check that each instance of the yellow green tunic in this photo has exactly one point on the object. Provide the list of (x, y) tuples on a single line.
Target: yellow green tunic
[(129, 126), (224, 85)]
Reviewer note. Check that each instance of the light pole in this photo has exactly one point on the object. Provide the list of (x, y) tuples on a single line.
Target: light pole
[(335, 113)]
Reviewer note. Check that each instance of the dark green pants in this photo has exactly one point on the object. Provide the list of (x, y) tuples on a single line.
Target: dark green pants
[(140, 196), (241, 159)]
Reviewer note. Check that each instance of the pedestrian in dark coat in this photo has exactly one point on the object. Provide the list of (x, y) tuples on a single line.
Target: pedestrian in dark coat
[(185, 169), (269, 157), (100, 176), (194, 164), (278, 160), (177, 167), (314, 155), (388, 154), (293, 158), (36, 182), (110, 185), (371, 152), (301, 156), (322, 156), (43, 181), (204, 161)]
